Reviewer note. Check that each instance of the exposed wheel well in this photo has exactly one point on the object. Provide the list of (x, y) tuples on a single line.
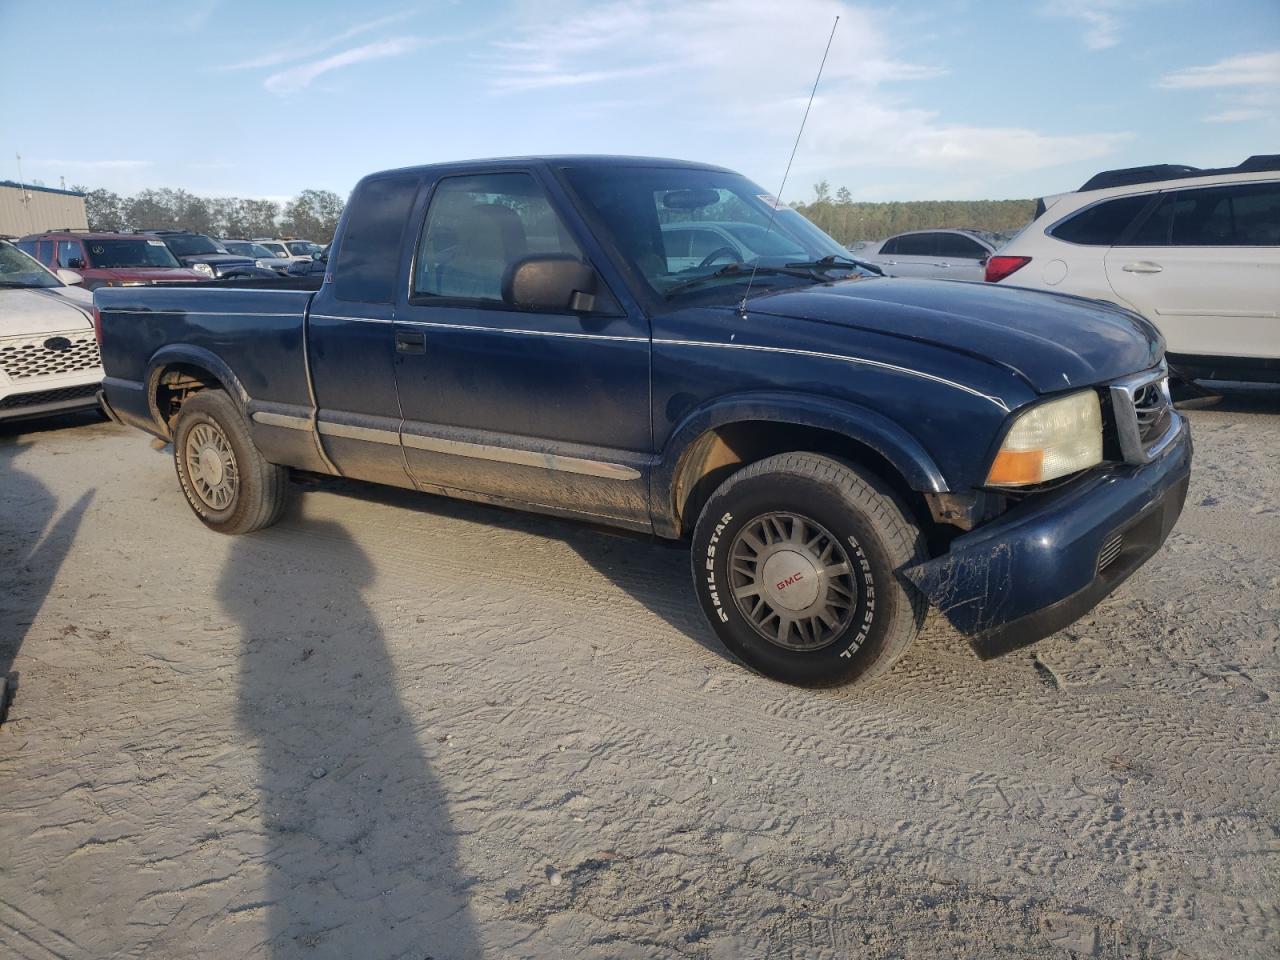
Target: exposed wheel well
[(173, 385), (724, 450)]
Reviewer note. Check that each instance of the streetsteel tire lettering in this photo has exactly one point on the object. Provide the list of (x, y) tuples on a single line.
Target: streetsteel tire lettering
[(869, 613), (711, 572)]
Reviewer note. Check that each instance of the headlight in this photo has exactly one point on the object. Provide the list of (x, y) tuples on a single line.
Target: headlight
[(1050, 440), (133, 283), (263, 264), (203, 268)]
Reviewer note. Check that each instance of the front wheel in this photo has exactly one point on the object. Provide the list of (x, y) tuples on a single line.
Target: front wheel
[(796, 560), (227, 482)]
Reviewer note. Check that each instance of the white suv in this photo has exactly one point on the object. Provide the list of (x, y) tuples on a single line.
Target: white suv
[(1196, 252)]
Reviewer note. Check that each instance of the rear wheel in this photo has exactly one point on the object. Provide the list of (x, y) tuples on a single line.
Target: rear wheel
[(227, 482), (796, 561)]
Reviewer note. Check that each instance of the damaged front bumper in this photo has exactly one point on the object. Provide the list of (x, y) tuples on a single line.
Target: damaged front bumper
[(1048, 561)]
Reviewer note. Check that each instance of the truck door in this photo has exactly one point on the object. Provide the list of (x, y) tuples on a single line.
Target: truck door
[(548, 409), (350, 335), (1204, 266)]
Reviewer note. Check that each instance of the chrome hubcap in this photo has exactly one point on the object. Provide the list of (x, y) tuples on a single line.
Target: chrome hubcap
[(211, 465), (792, 580)]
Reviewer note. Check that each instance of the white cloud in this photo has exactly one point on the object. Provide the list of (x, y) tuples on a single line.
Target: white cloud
[(740, 67), (1103, 20), (1247, 86), (296, 79), (298, 50), (1245, 70)]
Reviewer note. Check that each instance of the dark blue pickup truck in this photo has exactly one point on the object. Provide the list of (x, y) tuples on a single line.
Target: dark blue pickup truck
[(656, 345)]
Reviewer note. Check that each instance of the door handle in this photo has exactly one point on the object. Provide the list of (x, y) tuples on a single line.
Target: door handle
[(1142, 266), (411, 341)]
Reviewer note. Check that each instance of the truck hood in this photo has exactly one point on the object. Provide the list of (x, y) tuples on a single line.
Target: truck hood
[(1054, 342), (149, 274), (217, 259), (31, 312)]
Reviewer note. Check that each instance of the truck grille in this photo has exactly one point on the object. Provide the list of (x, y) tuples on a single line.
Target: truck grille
[(1153, 409), (22, 358), (1144, 414), (38, 397)]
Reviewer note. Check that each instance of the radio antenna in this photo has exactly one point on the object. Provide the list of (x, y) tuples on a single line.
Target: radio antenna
[(777, 199)]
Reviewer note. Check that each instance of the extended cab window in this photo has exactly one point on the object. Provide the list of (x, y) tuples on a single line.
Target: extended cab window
[(1102, 224), (368, 257), (1244, 215), (477, 228)]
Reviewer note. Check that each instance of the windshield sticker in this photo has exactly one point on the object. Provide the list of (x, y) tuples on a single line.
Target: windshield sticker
[(97, 248), (155, 243), (770, 200)]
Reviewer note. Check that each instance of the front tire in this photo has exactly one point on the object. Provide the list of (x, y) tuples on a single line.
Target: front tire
[(795, 562), (226, 480)]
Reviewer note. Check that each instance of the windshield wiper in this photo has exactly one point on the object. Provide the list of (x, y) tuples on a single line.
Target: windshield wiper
[(18, 285), (837, 260), (734, 268)]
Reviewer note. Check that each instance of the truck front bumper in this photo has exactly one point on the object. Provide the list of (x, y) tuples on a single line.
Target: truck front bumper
[(1049, 560)]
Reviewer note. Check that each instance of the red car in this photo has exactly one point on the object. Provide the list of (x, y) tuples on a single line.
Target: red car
[(108, 259)]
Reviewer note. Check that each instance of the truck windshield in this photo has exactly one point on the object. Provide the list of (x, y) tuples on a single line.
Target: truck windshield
[(19, 270), (141, 252), (191, 245), (675, 224)]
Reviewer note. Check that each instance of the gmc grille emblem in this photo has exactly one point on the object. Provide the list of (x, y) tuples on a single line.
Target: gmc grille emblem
[(58, 344)]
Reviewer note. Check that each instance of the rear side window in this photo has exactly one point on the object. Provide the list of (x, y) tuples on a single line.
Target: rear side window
[(70, 254), (916, 245), (959, 247), (1102, 224), (890, 246), (1243, 215), (368, 259)]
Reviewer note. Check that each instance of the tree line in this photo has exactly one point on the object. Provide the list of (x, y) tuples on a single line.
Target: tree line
[(312, 214), (851, 221)]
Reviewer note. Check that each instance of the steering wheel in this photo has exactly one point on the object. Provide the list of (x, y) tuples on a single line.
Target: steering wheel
[(718, 252)]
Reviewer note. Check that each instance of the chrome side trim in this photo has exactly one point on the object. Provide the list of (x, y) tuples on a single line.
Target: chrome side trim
[(838, 356), (524, 458), (282, 420), (352, 432), (198, 313), (457, 448), (512, 331)]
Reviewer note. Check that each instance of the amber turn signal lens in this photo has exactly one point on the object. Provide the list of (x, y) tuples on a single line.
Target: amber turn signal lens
[(1017, 467)]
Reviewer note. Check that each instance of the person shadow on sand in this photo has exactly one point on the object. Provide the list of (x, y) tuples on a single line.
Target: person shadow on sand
[(360, 854)]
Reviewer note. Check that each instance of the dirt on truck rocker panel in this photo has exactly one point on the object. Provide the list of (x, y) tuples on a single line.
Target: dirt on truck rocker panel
[(840, 449)]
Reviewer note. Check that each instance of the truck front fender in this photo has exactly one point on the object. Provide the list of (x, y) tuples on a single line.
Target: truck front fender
[(851, 421)]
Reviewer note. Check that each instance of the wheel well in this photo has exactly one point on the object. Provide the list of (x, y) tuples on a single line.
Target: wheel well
[(724, 450), (174, 384)]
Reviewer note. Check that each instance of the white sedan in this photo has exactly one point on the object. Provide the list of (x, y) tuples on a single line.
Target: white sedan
[(48, 353)]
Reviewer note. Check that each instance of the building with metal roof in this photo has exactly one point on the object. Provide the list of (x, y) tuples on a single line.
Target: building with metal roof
[(26, 208)]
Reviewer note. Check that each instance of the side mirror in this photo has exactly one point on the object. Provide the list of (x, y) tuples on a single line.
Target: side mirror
[(983, 261), (76, 263), (555, 282), (70, 277)]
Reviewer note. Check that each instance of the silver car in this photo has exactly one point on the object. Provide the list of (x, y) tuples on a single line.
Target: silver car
[(943, 254)]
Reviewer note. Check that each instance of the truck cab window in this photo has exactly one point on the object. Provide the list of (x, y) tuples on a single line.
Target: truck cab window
[(477, 227)]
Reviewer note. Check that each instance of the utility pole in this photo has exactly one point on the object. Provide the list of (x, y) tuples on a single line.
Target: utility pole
[(25, 199)]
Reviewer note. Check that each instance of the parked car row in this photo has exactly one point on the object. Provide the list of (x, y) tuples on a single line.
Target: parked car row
[(161, 256)]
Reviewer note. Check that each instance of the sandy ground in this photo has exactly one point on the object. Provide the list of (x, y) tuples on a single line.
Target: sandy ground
[(398, 726)]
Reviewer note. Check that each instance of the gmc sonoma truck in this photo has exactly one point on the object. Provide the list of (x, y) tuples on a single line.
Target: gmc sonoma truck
[(839, 448)]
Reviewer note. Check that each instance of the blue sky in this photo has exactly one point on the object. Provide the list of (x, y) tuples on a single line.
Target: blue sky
[(923, 100)]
